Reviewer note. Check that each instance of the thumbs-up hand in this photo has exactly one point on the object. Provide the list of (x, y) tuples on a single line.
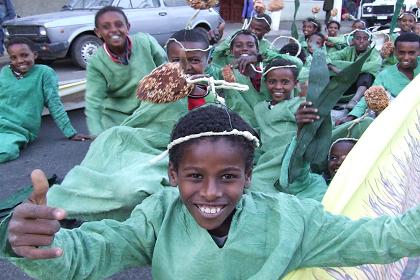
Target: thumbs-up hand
[(34, 224)]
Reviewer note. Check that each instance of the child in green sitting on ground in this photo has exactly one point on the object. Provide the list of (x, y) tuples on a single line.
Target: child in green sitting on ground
[(210, 220), (25, 89)]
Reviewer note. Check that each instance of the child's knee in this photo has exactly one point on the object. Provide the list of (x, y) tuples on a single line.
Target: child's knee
[(9, 148), (10, 154)]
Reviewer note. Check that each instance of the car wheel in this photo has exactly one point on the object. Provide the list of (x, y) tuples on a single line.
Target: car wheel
[(84, 48)]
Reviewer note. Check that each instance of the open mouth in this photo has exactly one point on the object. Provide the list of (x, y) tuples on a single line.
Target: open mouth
[(208, 210), (278, 94)]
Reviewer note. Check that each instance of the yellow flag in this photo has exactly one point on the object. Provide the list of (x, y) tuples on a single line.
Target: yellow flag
[(380, 176)]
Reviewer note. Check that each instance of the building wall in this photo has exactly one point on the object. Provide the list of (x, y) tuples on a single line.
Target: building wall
[(37, 6)]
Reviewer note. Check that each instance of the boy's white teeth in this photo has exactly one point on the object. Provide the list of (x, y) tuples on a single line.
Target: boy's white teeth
[(115, 37), (209, 210)]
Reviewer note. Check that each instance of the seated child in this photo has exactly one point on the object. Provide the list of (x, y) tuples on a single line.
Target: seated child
[(395, 77), (339, 149), (309, 26), (25, 89), (259, 25), (114, 71), (210, 220), (334, 41), (315, 40), (343, 58)]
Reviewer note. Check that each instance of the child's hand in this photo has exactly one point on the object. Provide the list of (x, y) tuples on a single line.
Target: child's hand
[(243, 62), (80, 137), (216, 34), (305, 114), (34, 224)]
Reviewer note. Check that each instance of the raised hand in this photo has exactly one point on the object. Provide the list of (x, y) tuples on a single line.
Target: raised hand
[(34, 224), (305, 114)]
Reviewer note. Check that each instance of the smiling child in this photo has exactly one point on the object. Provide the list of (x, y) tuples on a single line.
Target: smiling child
[(25, 89), (207, 221), (115, 70)]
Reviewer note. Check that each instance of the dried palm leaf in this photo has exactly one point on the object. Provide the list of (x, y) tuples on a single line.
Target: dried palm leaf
[(165, 84), (202, 4), (275, 5), (376, 98)]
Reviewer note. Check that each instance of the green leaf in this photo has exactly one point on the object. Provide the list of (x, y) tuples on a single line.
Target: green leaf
[(294, 29), (315, 138), (397, 11)]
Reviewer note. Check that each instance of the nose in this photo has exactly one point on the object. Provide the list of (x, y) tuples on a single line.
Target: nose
[(211, 190), (341, 159)]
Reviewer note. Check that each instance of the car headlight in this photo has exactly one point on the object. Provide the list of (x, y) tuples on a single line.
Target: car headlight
[(42, 31), (369, 9), (6, 32)]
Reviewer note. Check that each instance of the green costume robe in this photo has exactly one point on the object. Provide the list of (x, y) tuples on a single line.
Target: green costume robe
[(221, 55), (339, 44), (244, 102), (392, 80), (21, 104), (269, 236), (348, 55), (111, 87), (116, 173), (277, 128)]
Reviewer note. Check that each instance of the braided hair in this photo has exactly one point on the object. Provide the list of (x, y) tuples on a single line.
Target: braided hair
[(244, 32), (292, 49), (191, 35), (211, 118)]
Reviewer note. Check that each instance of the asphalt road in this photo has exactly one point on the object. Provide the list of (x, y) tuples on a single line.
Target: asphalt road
[(54, 154)]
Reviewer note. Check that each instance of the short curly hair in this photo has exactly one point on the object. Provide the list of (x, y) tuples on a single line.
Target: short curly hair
[(216, 119), (107, 9)]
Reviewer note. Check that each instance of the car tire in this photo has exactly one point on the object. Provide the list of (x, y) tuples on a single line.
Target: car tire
[(83, 48)]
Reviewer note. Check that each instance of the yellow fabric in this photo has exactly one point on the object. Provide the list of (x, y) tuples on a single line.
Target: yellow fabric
[(379, 176)]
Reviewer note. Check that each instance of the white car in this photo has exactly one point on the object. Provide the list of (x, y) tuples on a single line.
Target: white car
[(69, 33)]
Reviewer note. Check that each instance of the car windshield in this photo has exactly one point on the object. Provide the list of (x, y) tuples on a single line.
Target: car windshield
[(88, 4)]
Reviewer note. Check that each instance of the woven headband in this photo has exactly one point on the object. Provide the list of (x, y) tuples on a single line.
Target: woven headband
[(354, 140), (278, 67), (246, 134), (182, 46)]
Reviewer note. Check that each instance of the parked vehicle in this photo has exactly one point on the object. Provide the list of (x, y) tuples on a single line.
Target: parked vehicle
[(69, 33), (381, 11)]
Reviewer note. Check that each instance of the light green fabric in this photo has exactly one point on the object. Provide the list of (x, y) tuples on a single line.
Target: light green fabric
[(221, 55), (21, 104), (111, 87), (306, 184), (276, 126), (116, 175), (348, 55), (303, 44), (392, 80), (339, 43), (269, 236), (304, 72), (244, 102)]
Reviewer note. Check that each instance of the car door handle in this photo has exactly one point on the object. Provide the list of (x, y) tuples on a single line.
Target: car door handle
[(163, 14)]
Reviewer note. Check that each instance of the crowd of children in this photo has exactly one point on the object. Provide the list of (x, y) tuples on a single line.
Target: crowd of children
[(226, 159)]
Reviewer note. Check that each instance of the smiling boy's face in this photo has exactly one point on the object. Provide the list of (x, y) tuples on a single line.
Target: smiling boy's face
[(196, 60), (113, 29), (406, 23), (22, 58), (338, 154), (211, 177)]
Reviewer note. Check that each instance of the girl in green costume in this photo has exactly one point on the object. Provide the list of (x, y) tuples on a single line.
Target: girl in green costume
[(334, 42), (210, 227), (115, 70), (259, 25), (25, 89), (277, 126)]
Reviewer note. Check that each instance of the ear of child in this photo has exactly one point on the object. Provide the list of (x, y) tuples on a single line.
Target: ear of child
[(34, 224)]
